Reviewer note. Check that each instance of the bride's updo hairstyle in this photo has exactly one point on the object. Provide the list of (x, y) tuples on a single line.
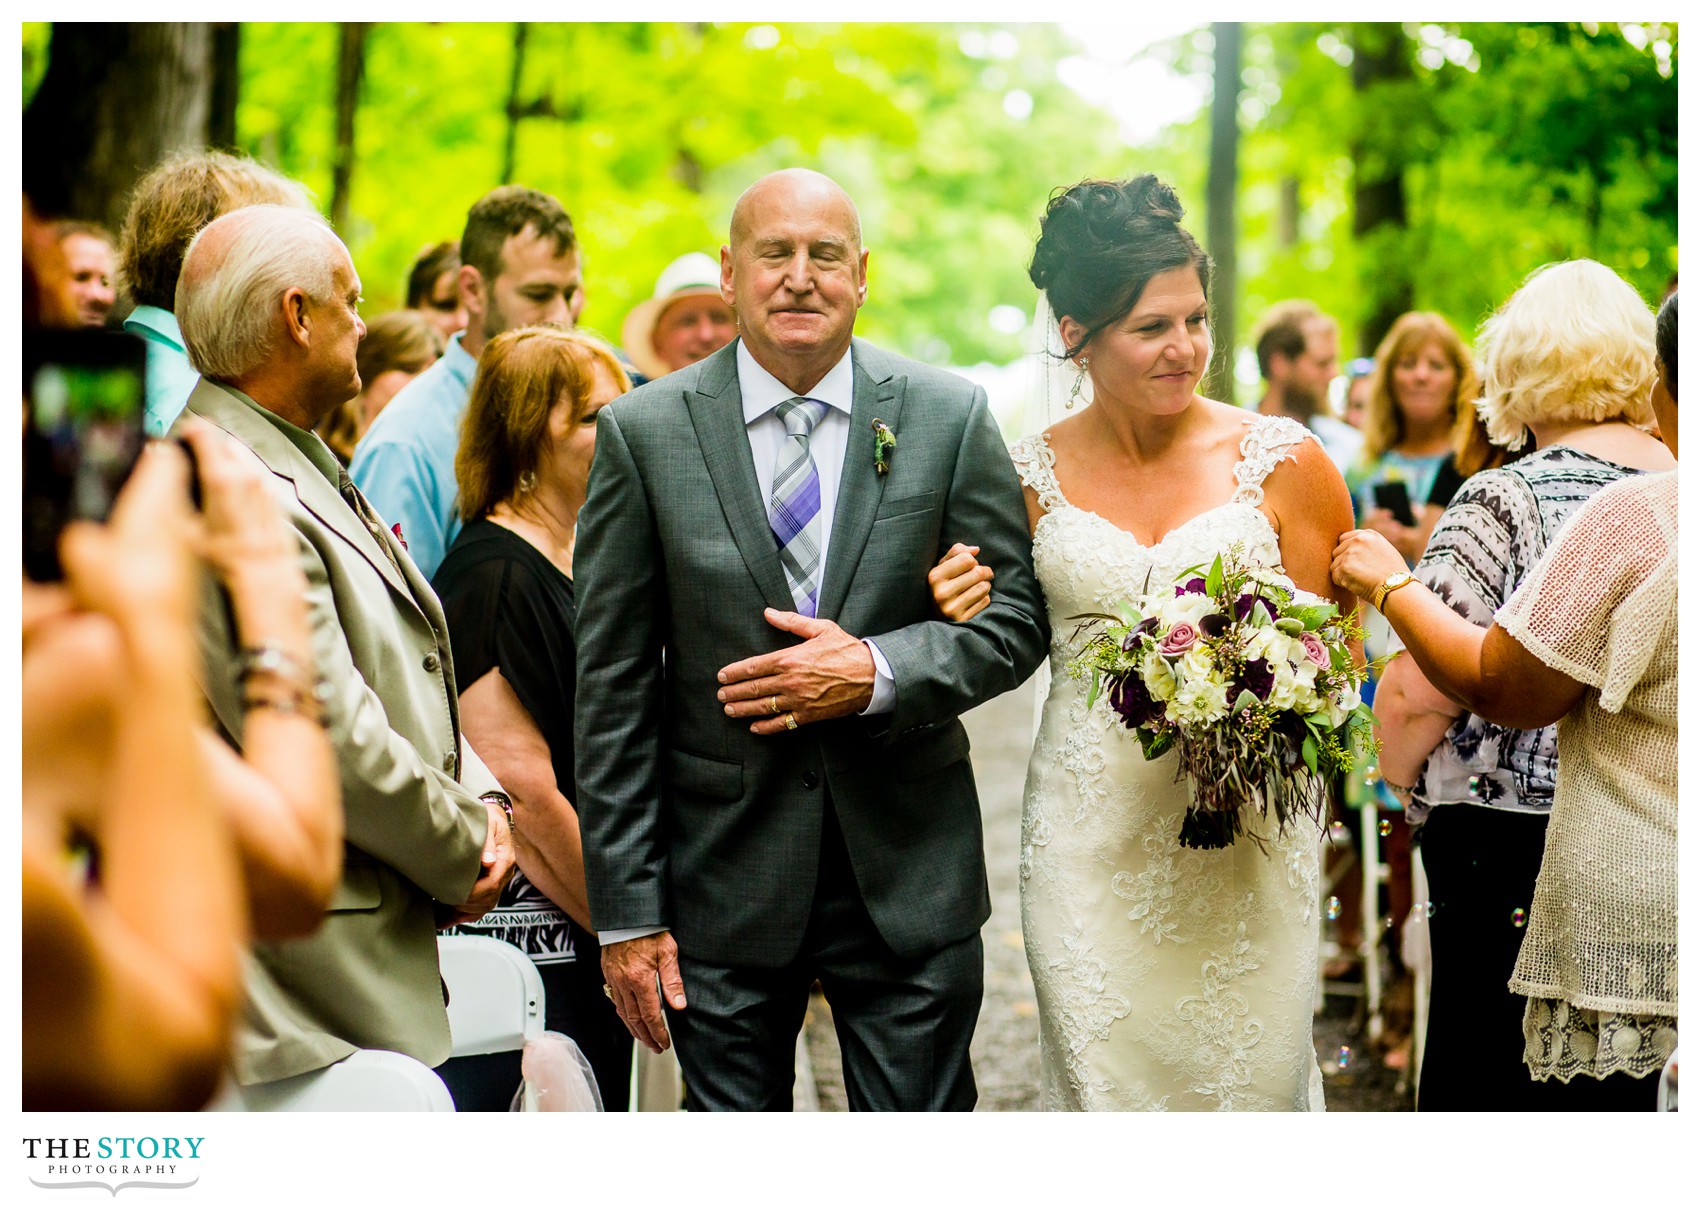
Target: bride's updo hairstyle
[(1100, 242)]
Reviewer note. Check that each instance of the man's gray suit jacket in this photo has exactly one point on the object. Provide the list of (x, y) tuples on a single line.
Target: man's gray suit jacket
[(414, 828), (688, 818)]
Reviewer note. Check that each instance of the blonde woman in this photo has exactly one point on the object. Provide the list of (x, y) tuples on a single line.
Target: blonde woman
[(1471, 731)]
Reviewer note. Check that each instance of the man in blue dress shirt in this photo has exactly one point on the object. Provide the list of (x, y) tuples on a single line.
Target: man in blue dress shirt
[(519, 266)]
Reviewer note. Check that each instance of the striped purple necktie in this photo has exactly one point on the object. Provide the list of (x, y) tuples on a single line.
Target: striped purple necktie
[(794, 503)]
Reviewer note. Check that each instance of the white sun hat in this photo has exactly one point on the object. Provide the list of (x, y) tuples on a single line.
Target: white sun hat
[(692, 276)]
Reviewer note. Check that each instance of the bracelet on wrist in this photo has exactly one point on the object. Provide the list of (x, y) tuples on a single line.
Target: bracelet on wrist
[(268, 658), (503, 802), (298, 704)]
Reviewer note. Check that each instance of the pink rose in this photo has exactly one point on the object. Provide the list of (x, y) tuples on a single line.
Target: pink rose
[(1181, 637), (1315, 649)]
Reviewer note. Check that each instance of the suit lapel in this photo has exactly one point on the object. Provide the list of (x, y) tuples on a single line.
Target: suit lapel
[(316, 494), (877, 393), (717, 413)]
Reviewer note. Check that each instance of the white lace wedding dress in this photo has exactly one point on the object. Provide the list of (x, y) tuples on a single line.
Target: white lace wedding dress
[(1168, 978)]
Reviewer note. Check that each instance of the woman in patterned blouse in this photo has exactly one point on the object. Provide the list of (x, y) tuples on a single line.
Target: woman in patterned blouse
[(1570, 356)]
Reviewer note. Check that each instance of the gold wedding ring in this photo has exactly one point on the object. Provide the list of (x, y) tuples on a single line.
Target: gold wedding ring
[(790, 720), (773, 706)]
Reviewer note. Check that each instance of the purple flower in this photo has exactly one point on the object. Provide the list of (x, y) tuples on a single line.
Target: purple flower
[(1315, 649), (1195, 586), (1242, 608), (1257, 677), (1181, 637), (1213, 624), (1131, 701)]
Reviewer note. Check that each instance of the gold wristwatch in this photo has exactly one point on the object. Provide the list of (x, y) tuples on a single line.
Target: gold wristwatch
[(1394, 581)]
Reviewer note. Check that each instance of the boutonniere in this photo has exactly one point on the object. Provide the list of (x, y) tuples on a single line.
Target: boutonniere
[(885, 442), (396, 531)]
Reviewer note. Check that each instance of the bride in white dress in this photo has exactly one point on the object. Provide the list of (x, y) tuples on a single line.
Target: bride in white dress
[(1167, 977)]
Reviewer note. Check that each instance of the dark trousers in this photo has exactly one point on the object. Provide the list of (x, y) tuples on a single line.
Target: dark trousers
[(574, 1005), (904, 1025), (1481, 865)]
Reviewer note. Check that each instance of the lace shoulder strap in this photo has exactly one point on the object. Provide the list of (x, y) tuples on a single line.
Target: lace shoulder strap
[(1268, 440), (1036, 464)]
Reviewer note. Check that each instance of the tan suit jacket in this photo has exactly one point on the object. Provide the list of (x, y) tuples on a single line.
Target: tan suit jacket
[(414, 827)]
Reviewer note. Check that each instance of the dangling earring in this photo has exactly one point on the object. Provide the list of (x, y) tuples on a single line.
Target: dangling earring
[(527, 483), (1079, 378)]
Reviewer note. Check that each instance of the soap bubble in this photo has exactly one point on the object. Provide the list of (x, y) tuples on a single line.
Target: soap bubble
[(1333, 908), (1345, 1057), (1338, 834), (1518, 918), (1429, 909), (1386, 827)]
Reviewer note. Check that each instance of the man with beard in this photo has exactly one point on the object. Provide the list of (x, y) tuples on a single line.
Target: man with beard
[(1298, 355), (519, 266)]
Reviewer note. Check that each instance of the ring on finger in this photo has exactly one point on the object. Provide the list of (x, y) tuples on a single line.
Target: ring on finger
[(773, 705), (790, 720)]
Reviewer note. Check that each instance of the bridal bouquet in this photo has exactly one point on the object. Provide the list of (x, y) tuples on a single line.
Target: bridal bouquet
[(1249, 679)]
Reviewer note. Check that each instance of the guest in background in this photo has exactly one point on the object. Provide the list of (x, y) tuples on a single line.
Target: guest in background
[(176, 199), (1298, 355), (520, 266), (433, 288), (90, 265), (684, 321), (1422, 391), (1569, 358), (1360, 381), (1423, 388), (1588, 640), (397, 347), (507, 589)]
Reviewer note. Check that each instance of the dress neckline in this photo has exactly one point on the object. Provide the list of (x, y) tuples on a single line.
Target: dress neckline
[(1247, 495)]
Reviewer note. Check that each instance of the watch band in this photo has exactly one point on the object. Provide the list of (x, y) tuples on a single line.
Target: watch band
[(1394, 582)]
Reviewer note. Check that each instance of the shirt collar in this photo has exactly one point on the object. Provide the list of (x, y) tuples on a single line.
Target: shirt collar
[(459, 363), (308, 443), (156, 320), (762, 393)]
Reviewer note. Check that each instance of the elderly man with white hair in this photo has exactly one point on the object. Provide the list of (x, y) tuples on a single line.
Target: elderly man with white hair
[(268, 304)]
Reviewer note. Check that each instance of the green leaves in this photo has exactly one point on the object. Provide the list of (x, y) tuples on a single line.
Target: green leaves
[(1213, 579)]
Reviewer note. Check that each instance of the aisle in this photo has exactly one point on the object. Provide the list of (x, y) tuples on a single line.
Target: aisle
[(1005, 1046)]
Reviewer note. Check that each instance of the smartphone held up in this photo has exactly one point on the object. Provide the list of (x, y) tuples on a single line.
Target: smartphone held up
[(83, 398)]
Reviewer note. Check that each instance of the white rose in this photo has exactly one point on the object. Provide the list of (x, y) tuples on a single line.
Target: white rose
[(1198, 665), (1188, 608), (1159, 676)]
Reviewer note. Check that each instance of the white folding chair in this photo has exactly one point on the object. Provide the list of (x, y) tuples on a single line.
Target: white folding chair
[(495, 995), (368, 1080)]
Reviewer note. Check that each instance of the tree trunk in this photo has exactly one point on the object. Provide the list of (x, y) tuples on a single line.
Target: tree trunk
[(350, 66), (116, 97), (515, 109), (1381, 57), (1221, 209), (226, 82)]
